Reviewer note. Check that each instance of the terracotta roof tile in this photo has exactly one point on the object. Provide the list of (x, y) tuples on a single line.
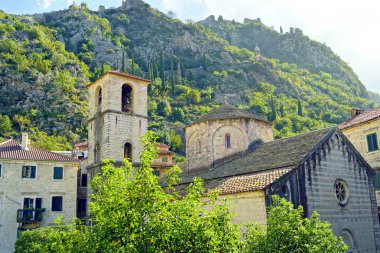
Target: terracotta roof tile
[(251, 182), (361, 118), (11, 149)]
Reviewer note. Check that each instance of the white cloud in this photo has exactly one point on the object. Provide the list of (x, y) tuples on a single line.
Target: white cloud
[(45, 3)]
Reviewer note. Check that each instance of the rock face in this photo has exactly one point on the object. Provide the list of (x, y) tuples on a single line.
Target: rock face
[(292, 47)]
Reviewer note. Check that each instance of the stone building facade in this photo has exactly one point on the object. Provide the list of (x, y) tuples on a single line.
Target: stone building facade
[(36, 186), (223, 133), (118, 118), (320, 170), (363, 131)]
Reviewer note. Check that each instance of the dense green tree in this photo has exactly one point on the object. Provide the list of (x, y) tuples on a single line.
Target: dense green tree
[(299, 108), (172, 89), (131, 212), (123, 62), (164, 108), (178, 114), (162, 64), (5, 125), (288, 231)]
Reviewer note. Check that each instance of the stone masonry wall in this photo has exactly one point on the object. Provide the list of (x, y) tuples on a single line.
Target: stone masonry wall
[(14, 188), (211, 136), (358, 136), (358, 215)]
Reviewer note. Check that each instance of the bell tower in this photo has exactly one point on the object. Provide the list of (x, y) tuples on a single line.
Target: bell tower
[(118, 117)]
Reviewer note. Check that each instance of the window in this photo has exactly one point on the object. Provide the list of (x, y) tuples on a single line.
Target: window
[(341, 192), (227, 139), (165, 159), (29, 171), (99, 100), (56, 203), (156, 173), (84, 180), (376, 182), (284, 192), (58, 173), (199, 147), (128, 151), (97, 153), (372, 142), (29, 212), (1, 170), (126, 98)]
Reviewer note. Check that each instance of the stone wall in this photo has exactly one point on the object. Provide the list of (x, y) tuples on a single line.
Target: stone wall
[(14, 188), (112, 128), (205, 141), (248, 207), (358, 136), (358, 216)]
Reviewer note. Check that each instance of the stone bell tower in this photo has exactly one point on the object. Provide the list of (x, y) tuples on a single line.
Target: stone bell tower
[(118, 117)]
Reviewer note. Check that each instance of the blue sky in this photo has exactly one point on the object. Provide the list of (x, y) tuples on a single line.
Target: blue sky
[(349, 27)]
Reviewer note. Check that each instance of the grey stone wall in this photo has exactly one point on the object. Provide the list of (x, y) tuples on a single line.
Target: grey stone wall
[(337, 161)]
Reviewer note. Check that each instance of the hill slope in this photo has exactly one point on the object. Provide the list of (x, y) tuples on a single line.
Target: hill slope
[(193, 69)]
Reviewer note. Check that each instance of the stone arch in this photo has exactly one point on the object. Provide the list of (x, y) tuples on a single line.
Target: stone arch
[(98, 98), (349, 240), (196, 142), (128, 149), (127, 98), (238, 140)]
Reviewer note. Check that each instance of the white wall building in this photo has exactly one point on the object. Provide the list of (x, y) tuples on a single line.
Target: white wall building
[(36, 186)]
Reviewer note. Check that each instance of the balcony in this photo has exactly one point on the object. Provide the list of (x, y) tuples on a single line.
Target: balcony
[(30, 215)]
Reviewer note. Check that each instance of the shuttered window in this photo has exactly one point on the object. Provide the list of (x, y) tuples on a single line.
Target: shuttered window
[(56, 203), (58, 173), (372, 142), (29, 171), (376, 182)]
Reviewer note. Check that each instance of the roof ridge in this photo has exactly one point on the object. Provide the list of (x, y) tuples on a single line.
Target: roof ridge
[(5, 142)]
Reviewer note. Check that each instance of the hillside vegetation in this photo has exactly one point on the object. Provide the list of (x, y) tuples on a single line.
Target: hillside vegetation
[(194, 67)]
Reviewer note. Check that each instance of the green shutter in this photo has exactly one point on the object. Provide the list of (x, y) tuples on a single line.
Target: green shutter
[(33, 172), (58, 173), (376, 181)]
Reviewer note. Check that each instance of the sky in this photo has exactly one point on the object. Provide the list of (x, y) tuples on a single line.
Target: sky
[(349, 27)]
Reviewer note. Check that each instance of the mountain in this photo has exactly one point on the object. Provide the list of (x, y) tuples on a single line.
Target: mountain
[(194, 67), (375, 97)]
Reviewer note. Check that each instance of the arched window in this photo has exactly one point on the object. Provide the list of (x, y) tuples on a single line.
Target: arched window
[(128, 151), (126, 98), (227, 140), (97, 153), (199, 147), (349, 240), (99, 99)]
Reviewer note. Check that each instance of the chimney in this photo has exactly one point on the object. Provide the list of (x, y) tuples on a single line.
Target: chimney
[(355, 112), (25, 141)]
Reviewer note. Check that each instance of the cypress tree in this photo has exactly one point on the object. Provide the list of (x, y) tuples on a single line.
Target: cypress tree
[(299, 105), (183, 71), (282, 109), (162, 73), (102, 69), (179, 74), (204, 62), (172, 77), (133, 64), (273, 116), (281, 31), (123, 62)]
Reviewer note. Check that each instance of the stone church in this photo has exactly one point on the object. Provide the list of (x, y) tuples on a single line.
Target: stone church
[(234, 151)]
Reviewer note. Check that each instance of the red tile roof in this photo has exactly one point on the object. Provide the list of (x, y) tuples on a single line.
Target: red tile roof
[(251, 182), (11, 149), (361, 118)]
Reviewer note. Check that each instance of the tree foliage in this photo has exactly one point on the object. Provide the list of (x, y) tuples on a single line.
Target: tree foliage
[(131, 212), (288, 231)]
